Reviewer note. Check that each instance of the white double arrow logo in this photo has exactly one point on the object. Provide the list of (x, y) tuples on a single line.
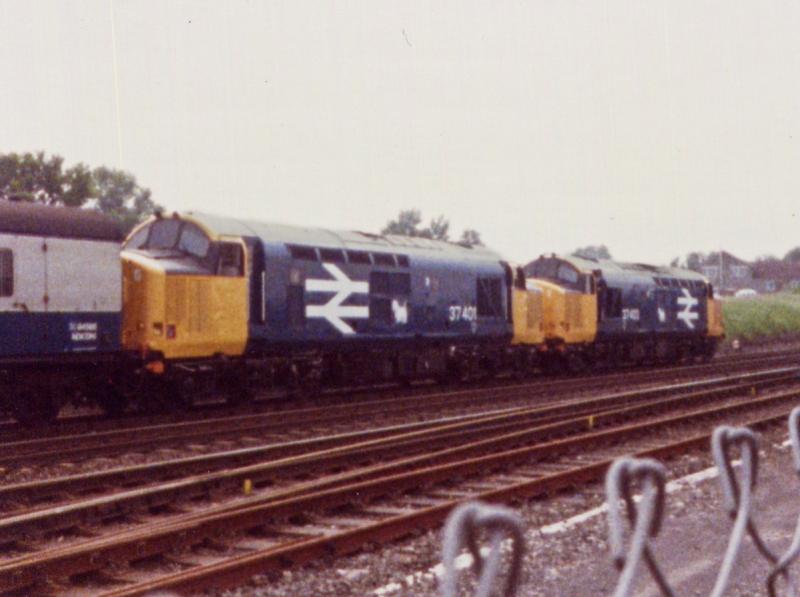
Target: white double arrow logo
[(333, 310), (687, 301)]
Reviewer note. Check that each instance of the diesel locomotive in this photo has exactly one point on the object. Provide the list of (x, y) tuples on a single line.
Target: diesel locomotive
[(206, 303), (248, 304)]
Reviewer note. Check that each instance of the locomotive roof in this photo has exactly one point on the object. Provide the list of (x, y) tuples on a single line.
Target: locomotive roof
[(611, 269), (36, 219), (320, 237)]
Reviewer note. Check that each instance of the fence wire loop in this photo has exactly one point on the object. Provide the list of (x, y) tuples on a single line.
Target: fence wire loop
[(788, 558), (644, 520), (737, 495), (722, 441), (794, 436), (462, 529)]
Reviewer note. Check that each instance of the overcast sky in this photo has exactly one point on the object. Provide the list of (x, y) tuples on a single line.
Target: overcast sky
[(653, 127)]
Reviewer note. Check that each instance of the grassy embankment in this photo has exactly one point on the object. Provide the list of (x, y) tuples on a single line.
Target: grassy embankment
[(762, 318)]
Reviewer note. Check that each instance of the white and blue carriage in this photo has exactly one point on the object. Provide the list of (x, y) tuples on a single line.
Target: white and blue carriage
[(60, 306)]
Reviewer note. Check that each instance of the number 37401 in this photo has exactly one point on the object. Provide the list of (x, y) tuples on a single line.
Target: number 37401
[(463, 313)]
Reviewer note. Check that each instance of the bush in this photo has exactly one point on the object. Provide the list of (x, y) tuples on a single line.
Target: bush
[(764, 317)]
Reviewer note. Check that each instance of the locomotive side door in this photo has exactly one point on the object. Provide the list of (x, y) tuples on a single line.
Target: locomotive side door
[(22, 295)]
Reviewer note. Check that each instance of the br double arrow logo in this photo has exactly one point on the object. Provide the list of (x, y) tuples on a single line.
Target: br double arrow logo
[(334, 311), (687, 301)]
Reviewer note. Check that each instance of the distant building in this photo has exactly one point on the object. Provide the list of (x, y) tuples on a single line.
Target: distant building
[(727, 272), (776, 275)]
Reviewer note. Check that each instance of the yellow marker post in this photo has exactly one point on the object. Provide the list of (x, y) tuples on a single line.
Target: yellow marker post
[(590, 421), (247, 486)]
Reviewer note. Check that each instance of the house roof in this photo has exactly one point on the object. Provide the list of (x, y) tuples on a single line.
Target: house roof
[(727, 259)]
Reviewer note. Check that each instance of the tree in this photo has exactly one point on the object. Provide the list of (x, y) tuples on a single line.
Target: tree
[(675, 262), (470, 238), (694, 260), (35, 177), (593, 252), (438, 229), (766, 259), (405, 224), (118, 195), (408, 221), (793, 256)]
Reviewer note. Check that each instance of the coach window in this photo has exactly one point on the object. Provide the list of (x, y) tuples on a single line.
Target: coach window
[(231, 260), (6, 272)]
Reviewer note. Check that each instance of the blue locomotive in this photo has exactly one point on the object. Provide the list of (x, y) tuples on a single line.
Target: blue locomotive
[(308, 304), (631, 312)]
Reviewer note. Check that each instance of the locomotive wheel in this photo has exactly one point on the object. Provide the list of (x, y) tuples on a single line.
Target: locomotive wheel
[(576, 363), (166, 395), (237, 393), (112, 401), (35, 407)]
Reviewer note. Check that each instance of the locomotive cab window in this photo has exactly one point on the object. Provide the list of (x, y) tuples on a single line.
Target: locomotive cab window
[(193, 241), (6, 272), (163, 234), (231, 260), (139, 239)]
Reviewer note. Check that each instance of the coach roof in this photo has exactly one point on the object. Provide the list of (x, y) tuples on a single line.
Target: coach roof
[(34, 219)]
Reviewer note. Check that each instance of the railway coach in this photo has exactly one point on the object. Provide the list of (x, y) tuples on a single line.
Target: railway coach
[(615, 313), (60, 298), (238, 303)]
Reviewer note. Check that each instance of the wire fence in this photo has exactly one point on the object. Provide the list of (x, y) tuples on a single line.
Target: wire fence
[(731, 447)]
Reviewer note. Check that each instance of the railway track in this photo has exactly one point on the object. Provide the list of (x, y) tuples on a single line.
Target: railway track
[(207, 433), (334, 499), (270, 404)]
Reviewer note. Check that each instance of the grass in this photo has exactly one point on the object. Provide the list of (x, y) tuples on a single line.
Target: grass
[(774, 316)]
